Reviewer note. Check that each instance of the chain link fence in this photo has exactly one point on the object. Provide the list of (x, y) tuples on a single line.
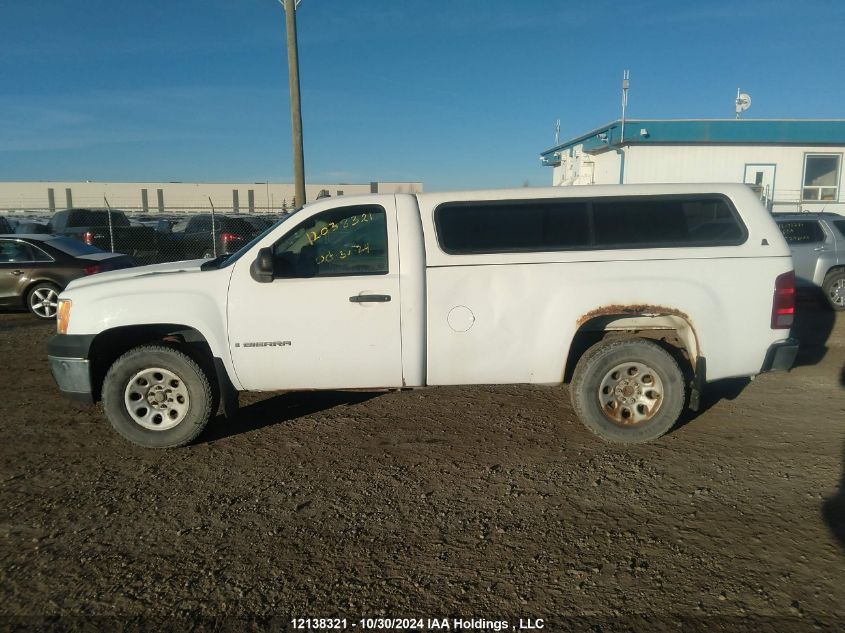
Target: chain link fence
[(149, 237)]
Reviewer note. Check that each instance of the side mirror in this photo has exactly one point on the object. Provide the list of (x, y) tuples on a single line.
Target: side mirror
[(262, 268)]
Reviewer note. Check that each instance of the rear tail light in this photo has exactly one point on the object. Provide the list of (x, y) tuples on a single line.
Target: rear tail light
[(229, 237), (783, 304), (93, 269), (88, 238)]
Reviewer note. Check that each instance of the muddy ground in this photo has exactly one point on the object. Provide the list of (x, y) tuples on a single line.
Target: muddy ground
[(482, 502)]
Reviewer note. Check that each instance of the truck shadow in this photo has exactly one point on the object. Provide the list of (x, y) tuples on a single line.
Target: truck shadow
[(833, 509), (279, 409), (814, 322), (714, 393)]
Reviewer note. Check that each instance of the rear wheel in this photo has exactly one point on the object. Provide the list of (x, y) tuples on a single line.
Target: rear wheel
[(43, 300), (628, 391), (834, 289), (158, 397)]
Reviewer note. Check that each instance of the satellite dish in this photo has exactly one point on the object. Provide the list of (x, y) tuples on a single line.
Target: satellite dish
[(743, 102)]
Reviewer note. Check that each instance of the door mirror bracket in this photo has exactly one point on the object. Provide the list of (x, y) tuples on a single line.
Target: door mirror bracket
[(262, 268)]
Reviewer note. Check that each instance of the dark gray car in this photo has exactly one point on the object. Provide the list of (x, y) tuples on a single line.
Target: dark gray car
[(817, 242), (34, 269)]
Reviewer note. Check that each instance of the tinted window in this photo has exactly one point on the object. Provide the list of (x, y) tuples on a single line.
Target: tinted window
[(237, 225), (93, 217), (528, 225), (180, 226), (38, 255), (198, 224), (551, 225), (31, 227), (5, 227), (840, 225), (12, 251), (665, 222), (71, 246), (347, 241), (801, 231)]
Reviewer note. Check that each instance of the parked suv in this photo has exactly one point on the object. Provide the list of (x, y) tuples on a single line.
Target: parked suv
[(817, 242), (92, 226), (202, 237)]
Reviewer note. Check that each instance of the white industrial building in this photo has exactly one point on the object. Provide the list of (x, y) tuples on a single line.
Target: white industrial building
[(794, 164), (152, 197)]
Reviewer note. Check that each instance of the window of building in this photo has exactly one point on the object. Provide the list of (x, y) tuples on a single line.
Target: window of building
[(821, 177), (801, 231), (346, 241), (578, 224)]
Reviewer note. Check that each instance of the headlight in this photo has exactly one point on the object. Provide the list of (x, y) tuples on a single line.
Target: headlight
[(63, 315)]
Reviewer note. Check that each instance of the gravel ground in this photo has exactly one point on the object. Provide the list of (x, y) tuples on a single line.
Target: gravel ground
[(481, 502)]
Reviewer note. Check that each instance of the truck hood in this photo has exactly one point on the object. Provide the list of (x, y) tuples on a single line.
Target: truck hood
[(191, 266)]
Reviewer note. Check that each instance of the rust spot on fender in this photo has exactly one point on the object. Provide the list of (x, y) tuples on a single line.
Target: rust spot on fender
[(632, 310), (639, 309)]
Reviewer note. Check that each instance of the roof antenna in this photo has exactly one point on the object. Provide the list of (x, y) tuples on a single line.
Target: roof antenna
[(557, 132)]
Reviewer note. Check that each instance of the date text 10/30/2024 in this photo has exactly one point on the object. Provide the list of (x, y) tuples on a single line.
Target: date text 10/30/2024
[(416, 624)]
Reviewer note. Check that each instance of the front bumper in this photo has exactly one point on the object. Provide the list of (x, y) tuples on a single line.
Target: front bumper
[(781, 356), (68, 358)]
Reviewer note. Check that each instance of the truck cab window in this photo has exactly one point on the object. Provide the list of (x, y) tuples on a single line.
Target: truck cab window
[(346, 241)]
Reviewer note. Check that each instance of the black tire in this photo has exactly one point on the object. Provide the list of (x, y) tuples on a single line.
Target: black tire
[(191, 380), (652, 365), (834, 289), (37, 300)]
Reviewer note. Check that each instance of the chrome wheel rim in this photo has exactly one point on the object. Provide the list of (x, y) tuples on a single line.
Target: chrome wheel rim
[(837, 293), (44, 301), (630, 394), (157, 399)]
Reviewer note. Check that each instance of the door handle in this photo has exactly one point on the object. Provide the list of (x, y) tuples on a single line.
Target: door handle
[(369, 298), (820, 249), (17, 273)]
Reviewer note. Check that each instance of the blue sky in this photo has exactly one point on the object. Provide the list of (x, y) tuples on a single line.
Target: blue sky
[(456, 94)]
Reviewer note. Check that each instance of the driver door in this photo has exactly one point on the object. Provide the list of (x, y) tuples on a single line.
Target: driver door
[(330, 317)]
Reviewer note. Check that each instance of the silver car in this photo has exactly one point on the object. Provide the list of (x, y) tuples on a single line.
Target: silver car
[(817, 241)]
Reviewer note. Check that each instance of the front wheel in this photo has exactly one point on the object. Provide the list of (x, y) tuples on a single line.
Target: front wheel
[(158, 397), (628, 391), (834, 290)]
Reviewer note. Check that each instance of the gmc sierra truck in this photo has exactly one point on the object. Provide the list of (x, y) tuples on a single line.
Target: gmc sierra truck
[(636, 295)]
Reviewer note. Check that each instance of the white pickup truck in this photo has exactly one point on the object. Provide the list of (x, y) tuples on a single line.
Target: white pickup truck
[(638, 295)]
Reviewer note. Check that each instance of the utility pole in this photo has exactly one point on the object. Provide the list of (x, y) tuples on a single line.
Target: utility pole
[(295, 111)]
